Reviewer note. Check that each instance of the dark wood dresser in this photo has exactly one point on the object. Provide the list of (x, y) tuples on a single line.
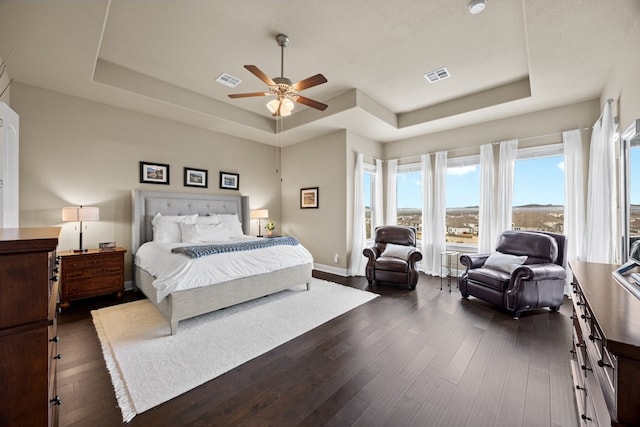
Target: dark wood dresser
[(28, 308), (606, 347), (91, 273)]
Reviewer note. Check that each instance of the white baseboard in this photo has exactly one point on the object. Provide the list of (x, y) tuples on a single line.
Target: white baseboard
[(330, 269)]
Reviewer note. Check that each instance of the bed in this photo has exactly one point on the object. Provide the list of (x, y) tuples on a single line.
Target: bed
[(184, 304)]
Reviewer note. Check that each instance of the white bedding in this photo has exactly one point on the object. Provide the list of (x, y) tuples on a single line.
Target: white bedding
[(176, 272)]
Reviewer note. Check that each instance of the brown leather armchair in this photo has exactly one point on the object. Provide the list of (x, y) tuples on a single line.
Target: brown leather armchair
[(506, 281), (393, 257)]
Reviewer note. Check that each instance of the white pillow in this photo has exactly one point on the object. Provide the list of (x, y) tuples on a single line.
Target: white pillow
[(208, 219), (397, 251), (166, 228), (504, 262), (200, 233), (234, 226)]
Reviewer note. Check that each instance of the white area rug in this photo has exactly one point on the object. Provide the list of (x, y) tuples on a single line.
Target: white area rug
[(148, 366)]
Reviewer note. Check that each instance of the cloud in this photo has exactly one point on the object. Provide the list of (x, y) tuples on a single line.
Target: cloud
[(561, 165), (461, 170)]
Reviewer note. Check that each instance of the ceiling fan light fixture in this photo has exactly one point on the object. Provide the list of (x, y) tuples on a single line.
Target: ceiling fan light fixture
[(477, 6), (281, 107)]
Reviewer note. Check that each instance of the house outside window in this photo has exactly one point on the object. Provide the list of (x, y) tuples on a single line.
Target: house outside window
[(462, 195), (369, 181), (538, 189), (409, 197)]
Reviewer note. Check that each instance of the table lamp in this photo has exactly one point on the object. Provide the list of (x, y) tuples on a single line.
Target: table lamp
[(260, 214), (80, 214)]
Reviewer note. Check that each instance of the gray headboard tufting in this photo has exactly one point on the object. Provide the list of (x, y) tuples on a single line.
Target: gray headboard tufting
[(145, 204)]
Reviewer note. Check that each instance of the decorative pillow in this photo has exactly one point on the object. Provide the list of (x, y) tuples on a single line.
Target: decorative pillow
[(504, 262), (234, 226), (200, 233), (397, 251), (166, 229)]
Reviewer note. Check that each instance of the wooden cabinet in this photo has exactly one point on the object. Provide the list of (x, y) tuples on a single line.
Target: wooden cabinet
[(28, 342), (606, 347), (91, 273)]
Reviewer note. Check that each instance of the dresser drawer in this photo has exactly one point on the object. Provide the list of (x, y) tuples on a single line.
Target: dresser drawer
[(79, 288)]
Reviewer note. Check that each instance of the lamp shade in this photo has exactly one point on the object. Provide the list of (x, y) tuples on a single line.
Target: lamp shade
[(81, 213), (281, 107), (260, 214)]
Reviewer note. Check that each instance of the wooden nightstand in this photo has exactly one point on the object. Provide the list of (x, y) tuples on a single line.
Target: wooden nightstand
[(91, 273)]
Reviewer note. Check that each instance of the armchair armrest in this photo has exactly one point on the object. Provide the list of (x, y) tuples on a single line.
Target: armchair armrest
[(473, 261), (372, 253), (414, 256), (535, 272)]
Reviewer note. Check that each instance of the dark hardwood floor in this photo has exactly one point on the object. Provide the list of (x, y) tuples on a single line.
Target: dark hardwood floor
[(422, 358)]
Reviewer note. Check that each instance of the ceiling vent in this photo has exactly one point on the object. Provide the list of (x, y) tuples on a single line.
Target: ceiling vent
[(437, 75), (228, 80)]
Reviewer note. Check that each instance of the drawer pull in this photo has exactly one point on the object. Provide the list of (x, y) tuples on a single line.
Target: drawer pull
[(54, 279), (55, 339), (594, 338), (56, 401), (584, 417), (56, 270), (580, 388), (585, 317), (602, 364), (58, 356), (585, 368)]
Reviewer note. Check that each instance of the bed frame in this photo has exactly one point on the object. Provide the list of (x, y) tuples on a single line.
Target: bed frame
[(189, 303)]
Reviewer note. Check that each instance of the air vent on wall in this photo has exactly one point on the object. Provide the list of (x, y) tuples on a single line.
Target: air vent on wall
[(437, 75), (228, 80)]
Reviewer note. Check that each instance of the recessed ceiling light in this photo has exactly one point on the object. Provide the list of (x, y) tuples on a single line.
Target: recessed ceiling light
[(477, 6)]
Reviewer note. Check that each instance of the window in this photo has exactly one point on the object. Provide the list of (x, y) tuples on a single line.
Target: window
[(462, 195), (538, 189), (634, 191), (368, 183), (409, 197)]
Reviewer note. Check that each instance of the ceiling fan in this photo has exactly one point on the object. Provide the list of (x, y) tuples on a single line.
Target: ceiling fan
[(285, 91)]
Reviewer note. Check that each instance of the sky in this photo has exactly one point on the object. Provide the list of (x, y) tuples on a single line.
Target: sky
[(537, 181)]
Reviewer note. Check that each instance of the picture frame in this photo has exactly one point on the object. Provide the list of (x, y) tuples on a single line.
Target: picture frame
[(154, 173), (229, 181), (107, 246), (195, 177), (309, 198)]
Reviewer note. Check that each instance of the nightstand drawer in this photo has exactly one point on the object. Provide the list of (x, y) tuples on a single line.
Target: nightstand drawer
[(89, 287), (91, 273)]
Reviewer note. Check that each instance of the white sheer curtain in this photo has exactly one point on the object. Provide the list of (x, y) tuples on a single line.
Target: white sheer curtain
[(434, 211), (506, 168), (602, 220), (487, 237), (574, 205), (357, 262), (427, 211), (391, 218), (378, 205)]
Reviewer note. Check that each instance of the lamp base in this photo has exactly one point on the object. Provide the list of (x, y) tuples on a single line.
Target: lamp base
[(77, 251)]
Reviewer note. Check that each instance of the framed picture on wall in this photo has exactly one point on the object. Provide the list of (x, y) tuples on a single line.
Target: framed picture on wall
[(309, 198), (195, 177), (229, 181), (154, 173)]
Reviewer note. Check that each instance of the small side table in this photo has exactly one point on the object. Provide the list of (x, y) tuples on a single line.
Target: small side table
[(449, 261)]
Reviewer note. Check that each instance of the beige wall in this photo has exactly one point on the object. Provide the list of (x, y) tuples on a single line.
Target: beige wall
[(5, 89), (623, 83), (75, 152), (534, 127), (318, 163)]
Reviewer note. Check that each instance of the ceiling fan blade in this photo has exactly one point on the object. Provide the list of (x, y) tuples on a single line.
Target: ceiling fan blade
[(312, 81), (247, 95), (259, 74), (311, 103)]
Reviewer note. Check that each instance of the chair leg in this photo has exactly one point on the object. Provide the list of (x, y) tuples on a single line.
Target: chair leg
[(516, 316)]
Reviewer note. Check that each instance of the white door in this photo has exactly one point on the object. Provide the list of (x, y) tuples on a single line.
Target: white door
[(9, 173)]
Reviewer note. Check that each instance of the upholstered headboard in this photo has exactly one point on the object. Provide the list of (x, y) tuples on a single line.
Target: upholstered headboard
[(146, 204)]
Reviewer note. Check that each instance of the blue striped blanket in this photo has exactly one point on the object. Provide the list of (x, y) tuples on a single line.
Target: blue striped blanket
[(199, 251)]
